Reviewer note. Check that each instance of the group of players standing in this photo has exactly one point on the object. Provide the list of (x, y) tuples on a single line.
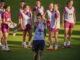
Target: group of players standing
[(40, 21)]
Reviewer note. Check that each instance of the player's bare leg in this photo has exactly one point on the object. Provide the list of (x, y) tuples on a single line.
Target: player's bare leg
[(40, 55), (1, 37), (24, 39), (51, 41), (65, 36), (30, 37), (35, 55), (56, 40), (69, 39), (6, 37)]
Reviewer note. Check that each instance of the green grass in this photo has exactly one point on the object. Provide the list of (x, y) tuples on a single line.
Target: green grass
[(18, 52), (15, 43)]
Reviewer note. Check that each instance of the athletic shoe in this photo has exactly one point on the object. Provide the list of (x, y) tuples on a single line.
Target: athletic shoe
[(50, 48), (24, 45), (69, 46), (7, 49), (3, 48), (63, 47), (56, 49), (29, 46)]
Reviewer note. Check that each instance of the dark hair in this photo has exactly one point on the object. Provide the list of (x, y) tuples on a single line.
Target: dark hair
[(22, 1), (68, 1), (6, 6), (39, 14), (24, 6), (37, 0), (2, 0)]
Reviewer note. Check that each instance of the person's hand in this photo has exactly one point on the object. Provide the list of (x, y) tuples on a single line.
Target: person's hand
[(63, 24), (12, 23), (22, 27)]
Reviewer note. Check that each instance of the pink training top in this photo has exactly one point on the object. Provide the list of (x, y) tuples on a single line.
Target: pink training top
[(40, 10), (69, 14), (7, 16), (55, 14), (26, 18), (49, 14), (64, 10), (20, 15)]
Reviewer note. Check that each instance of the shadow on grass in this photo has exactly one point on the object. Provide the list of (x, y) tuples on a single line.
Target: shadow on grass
[(74, 32), (17, 34)]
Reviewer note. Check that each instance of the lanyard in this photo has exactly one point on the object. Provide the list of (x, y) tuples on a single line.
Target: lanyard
[(40, 28)]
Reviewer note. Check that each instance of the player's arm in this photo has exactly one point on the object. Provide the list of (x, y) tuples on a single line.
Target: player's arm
[(74, 18), (63, 19), (31, 17), (0, 20), (19, 20), (21, 24), (64, 11), (44, 17), (57, 19), (4, 21)]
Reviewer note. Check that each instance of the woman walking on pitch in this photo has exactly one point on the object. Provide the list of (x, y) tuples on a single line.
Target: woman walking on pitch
[(68, 21), (26, 25)]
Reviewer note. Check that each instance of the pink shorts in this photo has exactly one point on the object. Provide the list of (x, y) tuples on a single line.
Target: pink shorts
[(28, 27), (48, 24), (5, 28), (68, 25), (54, 30)]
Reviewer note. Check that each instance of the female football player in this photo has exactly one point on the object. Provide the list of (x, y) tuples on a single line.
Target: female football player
[(68, 21), (6, 22), (26, 25)]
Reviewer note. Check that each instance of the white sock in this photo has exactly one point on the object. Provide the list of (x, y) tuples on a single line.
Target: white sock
[(56, 46), (29, 43), (3, 45), (51, 45), (24, 43), (6, 46), (68, 43), (64, 43)]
